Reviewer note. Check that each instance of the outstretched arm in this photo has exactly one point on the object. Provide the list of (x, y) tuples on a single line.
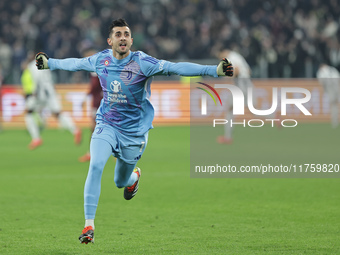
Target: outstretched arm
[(151, 66), (224, 68), (191, 69), (68, 64)]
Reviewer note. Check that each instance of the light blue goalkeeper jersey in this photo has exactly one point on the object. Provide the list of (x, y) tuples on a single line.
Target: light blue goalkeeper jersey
[(126, 85)]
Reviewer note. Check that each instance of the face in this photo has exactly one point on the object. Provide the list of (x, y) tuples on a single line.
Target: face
[(120, 41)]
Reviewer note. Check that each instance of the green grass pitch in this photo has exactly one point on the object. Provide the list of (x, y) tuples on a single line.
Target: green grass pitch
[(41, 203)]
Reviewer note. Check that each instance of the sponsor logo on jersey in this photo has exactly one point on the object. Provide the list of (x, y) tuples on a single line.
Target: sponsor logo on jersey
[(116, 96), (116, 86), (105, 71)]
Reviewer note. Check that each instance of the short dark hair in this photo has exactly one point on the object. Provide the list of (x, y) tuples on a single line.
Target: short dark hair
[(117, 23)]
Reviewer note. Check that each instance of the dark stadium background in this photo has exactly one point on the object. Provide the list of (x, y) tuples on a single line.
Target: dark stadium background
[(41, 191)]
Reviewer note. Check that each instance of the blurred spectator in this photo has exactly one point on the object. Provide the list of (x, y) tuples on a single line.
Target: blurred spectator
[(39, 92), (278, 38), (329, 78)]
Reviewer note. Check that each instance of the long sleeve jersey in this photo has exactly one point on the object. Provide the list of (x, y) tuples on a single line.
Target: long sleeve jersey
[(126, 85)]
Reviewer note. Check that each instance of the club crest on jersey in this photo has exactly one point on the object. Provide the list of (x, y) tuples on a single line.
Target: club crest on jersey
[(106, 63), (116, 86)]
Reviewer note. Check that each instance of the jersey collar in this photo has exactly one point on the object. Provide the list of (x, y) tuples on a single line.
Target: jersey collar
[(121, 61)]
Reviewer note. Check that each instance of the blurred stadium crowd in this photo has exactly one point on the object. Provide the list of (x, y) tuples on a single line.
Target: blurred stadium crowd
[(279, 38)]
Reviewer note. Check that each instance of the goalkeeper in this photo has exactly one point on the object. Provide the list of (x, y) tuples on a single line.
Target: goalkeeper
[(125, 114)]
